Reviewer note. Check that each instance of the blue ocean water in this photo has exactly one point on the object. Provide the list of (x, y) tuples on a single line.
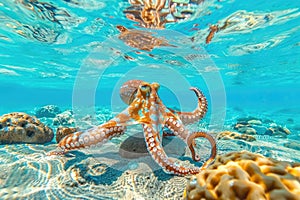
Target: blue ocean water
[(67, 53)]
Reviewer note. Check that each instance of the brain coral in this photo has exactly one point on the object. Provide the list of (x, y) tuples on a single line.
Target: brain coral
[(22, 128), (244, 175)]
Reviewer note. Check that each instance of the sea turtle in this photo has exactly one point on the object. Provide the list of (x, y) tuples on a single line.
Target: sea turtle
[(141, 39)]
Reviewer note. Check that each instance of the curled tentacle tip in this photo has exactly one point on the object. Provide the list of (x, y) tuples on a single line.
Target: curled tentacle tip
[(196, 158)]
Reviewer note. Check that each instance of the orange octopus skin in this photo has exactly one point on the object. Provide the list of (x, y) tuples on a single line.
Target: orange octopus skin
[(146, 108), (128, 91)]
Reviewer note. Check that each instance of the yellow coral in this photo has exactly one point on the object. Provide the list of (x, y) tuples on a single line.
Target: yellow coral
[(18, 127), (228, 135), (244, 175)]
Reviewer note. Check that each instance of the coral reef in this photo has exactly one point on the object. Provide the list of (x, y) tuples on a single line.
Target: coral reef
[(253, 126), (61, 132), (64, 119), (49, 111), (23, 128), (279, 131), (228, 135), (244, 175)]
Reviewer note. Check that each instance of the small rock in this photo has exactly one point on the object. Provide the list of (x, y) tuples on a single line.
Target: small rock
[(247, 130), (47, 111), (23, 128), (255, 122), (135, 146), (64, 119), (251, 131), (241, 125), (62, 132), (286, 130), (276, 131), (273, 125)]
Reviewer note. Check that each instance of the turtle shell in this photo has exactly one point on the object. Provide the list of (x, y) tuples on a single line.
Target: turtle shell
[(140, 39)]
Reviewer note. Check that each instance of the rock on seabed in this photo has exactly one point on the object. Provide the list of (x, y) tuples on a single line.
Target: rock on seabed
[(20, 127)]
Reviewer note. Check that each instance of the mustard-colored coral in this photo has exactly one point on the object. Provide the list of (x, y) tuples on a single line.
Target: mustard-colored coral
[(228, 135), (20, 127), (244, 175)]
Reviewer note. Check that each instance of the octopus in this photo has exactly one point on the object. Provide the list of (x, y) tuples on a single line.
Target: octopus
[(140, 39), (146, 108)]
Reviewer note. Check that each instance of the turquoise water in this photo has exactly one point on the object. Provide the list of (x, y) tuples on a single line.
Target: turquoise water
[(67, 53)]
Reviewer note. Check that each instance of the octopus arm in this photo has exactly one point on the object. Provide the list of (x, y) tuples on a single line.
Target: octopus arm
[(158, 154), (177, 128), (191, 143), (198, 113), (96, 135)]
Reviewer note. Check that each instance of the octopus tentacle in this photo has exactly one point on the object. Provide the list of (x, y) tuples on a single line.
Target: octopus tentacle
[(159, 155), (96, 135), (177, 128), (89, 138), (190, 143), (198, 113)]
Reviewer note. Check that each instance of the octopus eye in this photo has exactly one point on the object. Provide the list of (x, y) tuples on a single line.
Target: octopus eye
[(145, 88)]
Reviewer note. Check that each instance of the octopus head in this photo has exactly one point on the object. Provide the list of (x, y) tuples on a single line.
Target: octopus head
[(146, 88), (131, 88)]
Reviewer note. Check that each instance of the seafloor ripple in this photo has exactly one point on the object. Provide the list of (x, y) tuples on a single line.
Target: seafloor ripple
[(101, 173), (25, 170), (265, 145), (27, 173)]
